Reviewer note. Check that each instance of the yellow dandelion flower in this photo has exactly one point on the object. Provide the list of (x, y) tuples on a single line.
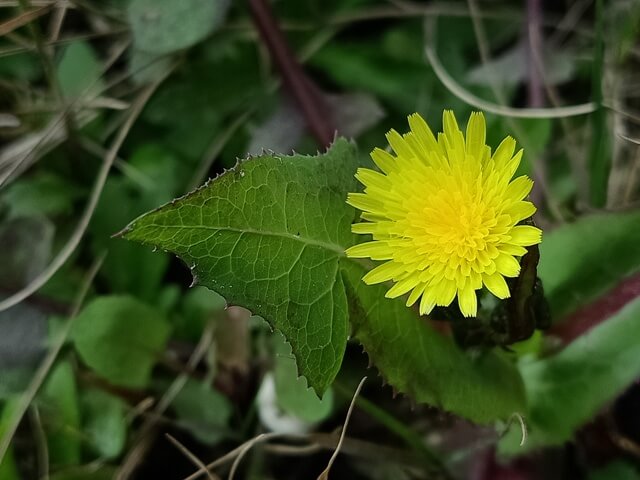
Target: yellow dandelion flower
[(444, 215)]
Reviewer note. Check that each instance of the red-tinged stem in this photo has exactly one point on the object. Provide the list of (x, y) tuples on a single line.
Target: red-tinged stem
[(304, 92), (587, 317)]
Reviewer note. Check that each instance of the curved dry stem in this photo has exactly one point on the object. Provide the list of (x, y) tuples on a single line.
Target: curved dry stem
[(325, 473), (82, 225), (458, 91)]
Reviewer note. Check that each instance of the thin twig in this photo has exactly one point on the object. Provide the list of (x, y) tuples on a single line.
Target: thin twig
[(41, 373), (142, 444), (64, 254), (41, 444), (194, 459), (325, 473)]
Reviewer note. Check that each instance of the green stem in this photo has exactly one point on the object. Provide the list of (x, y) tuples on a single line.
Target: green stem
[(599, 161)]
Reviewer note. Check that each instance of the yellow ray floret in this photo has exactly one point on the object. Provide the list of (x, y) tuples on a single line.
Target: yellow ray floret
[(444, 214)]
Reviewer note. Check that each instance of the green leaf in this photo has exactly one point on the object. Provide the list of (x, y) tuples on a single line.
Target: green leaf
[(104, 422), (292, 393), (40, 194), (424, 364), (8, 467), (617, 470), (79, 71), (566, 390), (163, 26), (269, 236), (582, 260), (120, 338), (203, 411), (61, 416)]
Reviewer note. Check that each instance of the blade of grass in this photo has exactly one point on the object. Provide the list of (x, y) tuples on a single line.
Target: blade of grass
[(599, 156)]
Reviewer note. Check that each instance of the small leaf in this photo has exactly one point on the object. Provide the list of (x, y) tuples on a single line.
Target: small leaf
[(293, 395), (40, 194), (79, 70), (120, 338), (61, 416), (616, 470), (268, 236), (104, 422), (582, 260), (566, 390), (205, 412), (422, 363), (163, 26)]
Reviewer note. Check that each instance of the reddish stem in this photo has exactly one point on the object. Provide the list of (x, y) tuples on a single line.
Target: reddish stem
[(305, 93)]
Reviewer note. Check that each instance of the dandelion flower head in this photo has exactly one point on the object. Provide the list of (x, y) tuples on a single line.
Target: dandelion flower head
[(444, 214)]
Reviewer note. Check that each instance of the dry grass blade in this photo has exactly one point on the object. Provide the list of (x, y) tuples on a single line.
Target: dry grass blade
[(22, 19), (325, 473), (42, 371), (76, 237), (196, 461), (142, 444)]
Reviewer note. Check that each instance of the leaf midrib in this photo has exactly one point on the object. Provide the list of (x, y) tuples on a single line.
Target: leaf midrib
[(338, 249)]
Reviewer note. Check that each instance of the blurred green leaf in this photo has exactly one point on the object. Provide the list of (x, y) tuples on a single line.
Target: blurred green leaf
[(104, 422), (269, 236), (616, 470), (25, 249), (582, 260), (163, 26), (199, 305), (79, 71), (61, 416), (424, 364), (42, 194), (566, 390), (8, 467), (203, 411), (293, 395), (120, 338), (156, 176)]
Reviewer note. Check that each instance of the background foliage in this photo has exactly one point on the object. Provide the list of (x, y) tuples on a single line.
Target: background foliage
[(112, 367)]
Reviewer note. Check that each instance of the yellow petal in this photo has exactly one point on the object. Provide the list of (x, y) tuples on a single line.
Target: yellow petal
[(384, 160), (519, 188), (445, 292), (453, 136), (427, 302), (504, 152), (415, 294), (468, 301), (476, 135), (515, 250), (364, 202), (403, 286), (507, 265), (372, 178), (496, 285), (525, 235), (399, 145), (423, 133), (375, 250), (384, 273), (520, 210)]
